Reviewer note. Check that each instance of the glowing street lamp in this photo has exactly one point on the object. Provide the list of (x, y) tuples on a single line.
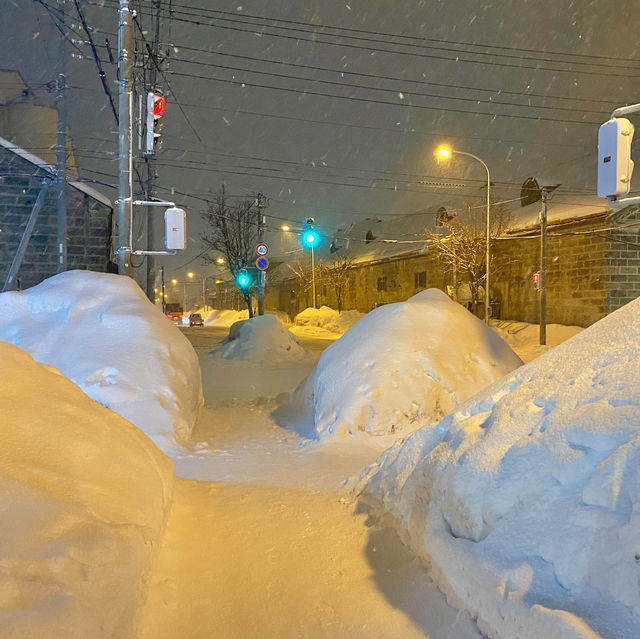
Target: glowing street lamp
[(220, 260), (285, 227), (444, 152)]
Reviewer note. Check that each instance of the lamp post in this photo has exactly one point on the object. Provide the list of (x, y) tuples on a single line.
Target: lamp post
[(445, 152)]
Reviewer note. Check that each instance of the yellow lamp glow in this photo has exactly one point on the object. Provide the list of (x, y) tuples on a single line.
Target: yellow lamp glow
[(285, 227), (220, 260), (443, 152)]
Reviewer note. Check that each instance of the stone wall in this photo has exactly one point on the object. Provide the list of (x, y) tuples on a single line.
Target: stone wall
[(88, 224), (576, 276), (623, 261)]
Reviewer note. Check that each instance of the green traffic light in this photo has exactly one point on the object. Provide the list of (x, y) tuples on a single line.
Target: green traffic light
[(310, 238), (243, 279)]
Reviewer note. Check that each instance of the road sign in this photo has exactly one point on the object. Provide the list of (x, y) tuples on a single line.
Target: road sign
[(262, 249), (262, 263)]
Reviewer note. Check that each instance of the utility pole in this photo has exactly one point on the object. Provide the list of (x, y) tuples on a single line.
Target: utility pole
[(261, 276), (164, 299), (543, 268), (61, 155), (543, 262), (125, 158), (153, 67)]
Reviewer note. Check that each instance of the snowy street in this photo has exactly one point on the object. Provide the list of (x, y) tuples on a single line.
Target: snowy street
[(407, 476), (270, 548)]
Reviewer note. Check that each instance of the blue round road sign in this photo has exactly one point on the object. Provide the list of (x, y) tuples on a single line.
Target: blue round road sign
[(262, 263), (262, 249)]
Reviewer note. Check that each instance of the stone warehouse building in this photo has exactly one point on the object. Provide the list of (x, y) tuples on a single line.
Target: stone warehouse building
[(89, 219), (593, 263)]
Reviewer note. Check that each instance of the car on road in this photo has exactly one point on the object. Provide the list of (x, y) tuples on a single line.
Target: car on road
[(195, 319)]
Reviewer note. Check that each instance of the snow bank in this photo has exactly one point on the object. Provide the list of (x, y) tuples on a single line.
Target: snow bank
[(224, 317), (327, 318), (402, 366), (527, 497), (83, 495), (261, 338), (103, 334)]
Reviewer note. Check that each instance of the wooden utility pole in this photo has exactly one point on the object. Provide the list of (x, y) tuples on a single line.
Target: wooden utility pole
[(546, 190)]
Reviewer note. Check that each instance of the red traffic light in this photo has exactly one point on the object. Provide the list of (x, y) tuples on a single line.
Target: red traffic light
[(159, 103)]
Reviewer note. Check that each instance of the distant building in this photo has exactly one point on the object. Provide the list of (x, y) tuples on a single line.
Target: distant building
[(89, 219), (593, 261)]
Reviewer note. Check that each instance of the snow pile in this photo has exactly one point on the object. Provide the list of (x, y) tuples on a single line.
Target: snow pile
[(261, 338), (403, 366), (103, 334), (84, 496), (227, 317), (327, 318), (527, 497), (224, 317)]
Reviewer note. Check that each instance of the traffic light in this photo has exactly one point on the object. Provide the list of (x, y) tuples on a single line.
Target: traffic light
[(310, 237), (243, 279), (156, 104), (615, 165)]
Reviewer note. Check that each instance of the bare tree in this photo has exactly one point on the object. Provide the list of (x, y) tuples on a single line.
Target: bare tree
[(462, 249), (231, 230), (336, 274), (301, 269)]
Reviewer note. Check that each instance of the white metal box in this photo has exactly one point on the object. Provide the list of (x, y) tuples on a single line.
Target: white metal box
[(614, 157), (175, 229)]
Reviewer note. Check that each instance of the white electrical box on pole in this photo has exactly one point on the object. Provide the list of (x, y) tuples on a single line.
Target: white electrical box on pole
[(615, 166)]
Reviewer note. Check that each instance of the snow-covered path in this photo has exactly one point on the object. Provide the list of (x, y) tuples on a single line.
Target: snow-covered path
[(266, 546)]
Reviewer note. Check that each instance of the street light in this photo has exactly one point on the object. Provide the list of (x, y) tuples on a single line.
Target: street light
[(444, 153), (190, 275), (220, 260), (285, 227)]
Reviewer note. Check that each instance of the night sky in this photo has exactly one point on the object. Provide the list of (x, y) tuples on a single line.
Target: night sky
[(333, 109)]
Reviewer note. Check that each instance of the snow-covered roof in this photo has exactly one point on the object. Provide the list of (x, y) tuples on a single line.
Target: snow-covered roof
[(560, 209), (375, 239), (41, 164)]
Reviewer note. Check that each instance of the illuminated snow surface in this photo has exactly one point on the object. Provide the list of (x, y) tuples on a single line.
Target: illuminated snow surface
[(84, 496), (521, 502), (102, 333), (402, 366), (525, 498)]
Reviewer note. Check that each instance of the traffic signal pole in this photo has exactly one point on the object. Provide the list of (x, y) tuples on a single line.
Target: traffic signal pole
[(261, 275), (125, 158)]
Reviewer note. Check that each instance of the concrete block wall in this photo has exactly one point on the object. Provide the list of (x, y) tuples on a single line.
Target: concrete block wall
[(623, 266), (576, 276), (88, 224)]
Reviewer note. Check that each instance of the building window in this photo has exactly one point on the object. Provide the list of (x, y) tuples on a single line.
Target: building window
[(420, 279), (382, 283)]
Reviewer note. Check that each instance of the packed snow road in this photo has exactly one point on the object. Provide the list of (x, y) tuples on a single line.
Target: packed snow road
[(264, 544)]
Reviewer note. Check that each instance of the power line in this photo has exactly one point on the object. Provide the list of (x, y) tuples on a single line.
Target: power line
[(384, 102), (420, 38), (457, 59), (397, 91), (383, 77)]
